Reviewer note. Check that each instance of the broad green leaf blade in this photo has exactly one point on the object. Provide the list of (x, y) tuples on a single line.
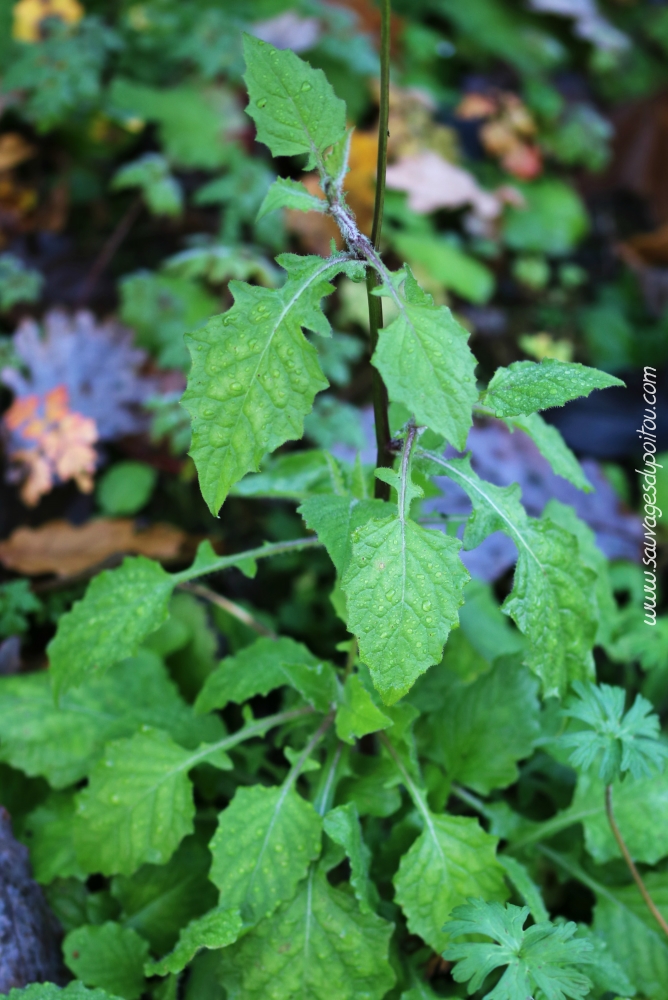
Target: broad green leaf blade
[(452, 859), (527, 888), (358, 715), (254, 375), (294, 476), (343, 826), (334, 518), (293, 105), (316, 683), (48, 830), (158, 900), (49, 991), (641, 811), (119, 610), (285, 193), (62, 742), (262, 848), (553, 601), (138, 806), (485, 727), (216, 929), (109, 956), (426, 364), (632, 935), (552, 446), (404, 585), (318, 946), (527, 386), (256, 669)]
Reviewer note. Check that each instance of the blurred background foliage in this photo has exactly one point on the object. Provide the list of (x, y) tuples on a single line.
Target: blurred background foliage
[(527, 189)]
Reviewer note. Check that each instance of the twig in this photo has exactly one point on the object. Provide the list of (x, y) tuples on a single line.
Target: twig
[(233, 609), (109, 249), (642, 888)]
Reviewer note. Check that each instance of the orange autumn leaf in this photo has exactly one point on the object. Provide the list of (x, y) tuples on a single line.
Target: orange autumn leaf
[(67, 549), (21, 410), (14, 150), (63, 446)]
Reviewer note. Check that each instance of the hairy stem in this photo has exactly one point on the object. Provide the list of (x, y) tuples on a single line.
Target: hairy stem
[(226, 562), (379, 390), (327, 785), (231, 607), (257, 728), (642, 888)]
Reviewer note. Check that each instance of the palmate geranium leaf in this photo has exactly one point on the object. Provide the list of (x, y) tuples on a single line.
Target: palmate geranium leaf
[(615, 742), (262, 848), (317, 946), (543, 960), (254, 375), (553, 600), (526, 386), (426, 363), (293, 105)]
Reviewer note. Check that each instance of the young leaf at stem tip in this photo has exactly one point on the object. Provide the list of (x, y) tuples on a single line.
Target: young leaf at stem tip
[(293, 105), (426, 363)]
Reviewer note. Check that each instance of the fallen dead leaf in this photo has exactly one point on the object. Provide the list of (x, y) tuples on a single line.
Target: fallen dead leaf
[(14, 150), (67, 550), (432, 182)]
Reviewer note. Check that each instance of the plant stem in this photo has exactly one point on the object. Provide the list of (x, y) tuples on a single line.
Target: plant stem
[(226, 562), (419, 800), (327, 785), (642, 888), (257, 728), (296, 768), (233, 609), (379, 390)]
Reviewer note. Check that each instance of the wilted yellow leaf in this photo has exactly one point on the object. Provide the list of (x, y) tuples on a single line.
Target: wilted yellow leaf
[(29, 14)]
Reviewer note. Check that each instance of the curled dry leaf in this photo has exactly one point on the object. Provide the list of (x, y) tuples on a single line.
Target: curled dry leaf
[(67, 549), (431, 183)]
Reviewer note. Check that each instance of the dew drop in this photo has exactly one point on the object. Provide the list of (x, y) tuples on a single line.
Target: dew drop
[(262, 103), (305, 86)]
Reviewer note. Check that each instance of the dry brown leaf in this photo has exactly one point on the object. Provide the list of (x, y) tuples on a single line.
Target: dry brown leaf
[(431, 183), (14, 150), (66, 549)]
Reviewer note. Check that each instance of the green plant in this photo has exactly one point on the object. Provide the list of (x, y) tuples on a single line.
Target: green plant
[(365, 833)]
